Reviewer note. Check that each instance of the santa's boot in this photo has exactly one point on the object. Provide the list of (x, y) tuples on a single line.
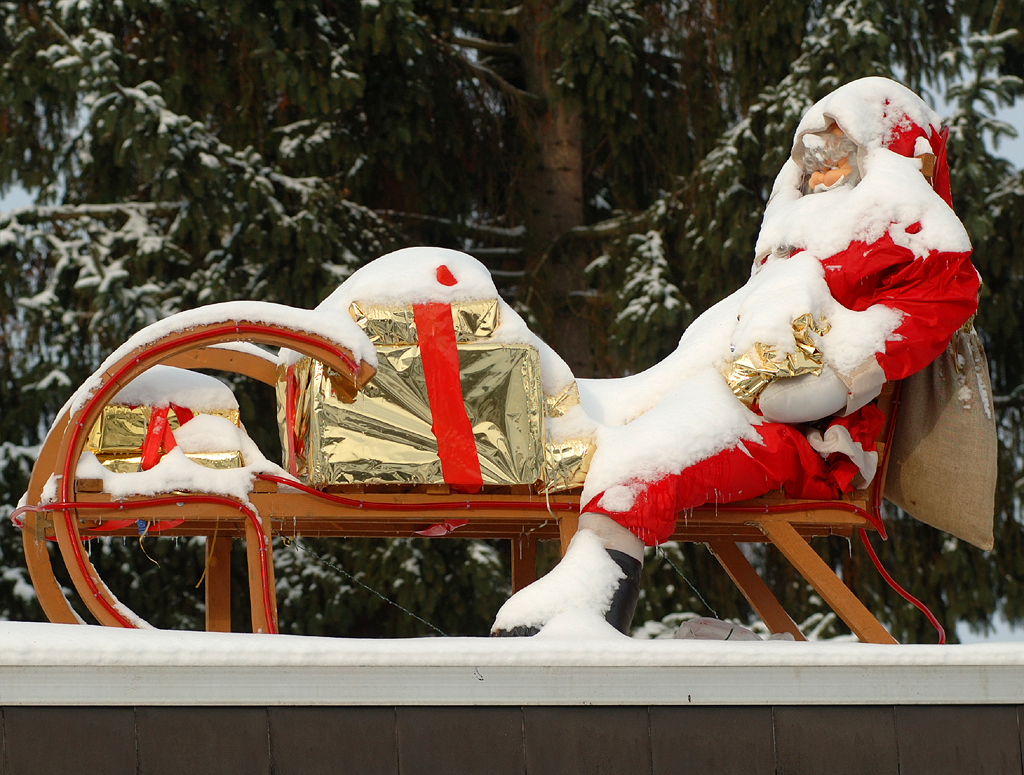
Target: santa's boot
[(623, 605), (600, 572)]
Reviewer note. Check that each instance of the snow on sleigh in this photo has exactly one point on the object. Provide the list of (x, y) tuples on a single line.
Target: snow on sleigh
[(413, 401)]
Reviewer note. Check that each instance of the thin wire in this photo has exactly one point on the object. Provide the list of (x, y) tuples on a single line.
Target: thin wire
[(142, 535), (682, 575), (209, 553), (295, 543)]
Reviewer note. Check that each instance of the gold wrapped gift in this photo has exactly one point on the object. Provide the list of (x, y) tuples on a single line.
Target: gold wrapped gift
[(388, 436), (117, 438), (386, 325), (566, 465), (757, 368)]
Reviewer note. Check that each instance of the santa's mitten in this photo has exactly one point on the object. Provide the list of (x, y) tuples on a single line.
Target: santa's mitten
[(805, 398)]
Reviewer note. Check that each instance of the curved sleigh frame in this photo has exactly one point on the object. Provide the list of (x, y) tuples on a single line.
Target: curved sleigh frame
[(278, 506)]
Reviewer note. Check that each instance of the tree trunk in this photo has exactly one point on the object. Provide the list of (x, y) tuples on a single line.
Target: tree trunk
[(552, 195)]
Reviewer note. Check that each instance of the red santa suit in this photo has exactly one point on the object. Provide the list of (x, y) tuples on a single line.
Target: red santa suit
[(900, 247)]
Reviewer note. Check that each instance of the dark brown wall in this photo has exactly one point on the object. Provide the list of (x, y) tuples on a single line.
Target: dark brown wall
[(788, 740)]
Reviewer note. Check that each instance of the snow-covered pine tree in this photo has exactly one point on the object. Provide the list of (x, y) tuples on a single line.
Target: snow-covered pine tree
[(208, 150)]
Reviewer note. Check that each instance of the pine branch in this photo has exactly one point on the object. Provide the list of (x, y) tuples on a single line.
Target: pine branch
[(515, 234), (1013, 400), (73, 212), (612, 227), (993, 26), (489, 14), (487, 46), (516, 94), (485, 73)]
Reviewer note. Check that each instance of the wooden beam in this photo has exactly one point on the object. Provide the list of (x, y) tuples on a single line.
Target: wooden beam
[(218, 583), (568, 524), (260, 622), (524, 561), (102, 604), (825, 582), (34, 534), (224, 359), (753, 588)]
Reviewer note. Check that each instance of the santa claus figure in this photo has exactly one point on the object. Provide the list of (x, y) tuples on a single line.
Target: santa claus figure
[(861, 275)]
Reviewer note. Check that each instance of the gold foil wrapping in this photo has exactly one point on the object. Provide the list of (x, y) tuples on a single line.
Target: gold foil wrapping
[(116, 438), (556, 406), (566, 465), (757, 368), (386, 325), (132, 463), (385, 437)]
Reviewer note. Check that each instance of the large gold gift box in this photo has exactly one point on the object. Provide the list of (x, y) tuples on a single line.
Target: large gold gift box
[(117, 438), (387, 436)]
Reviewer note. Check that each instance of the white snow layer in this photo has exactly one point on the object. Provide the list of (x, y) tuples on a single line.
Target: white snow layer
[(164, 385), (176, 472), (341, 331), (681, 410), (29, 643), (574, 596), (892, 195), (868, 110), (409, 276)]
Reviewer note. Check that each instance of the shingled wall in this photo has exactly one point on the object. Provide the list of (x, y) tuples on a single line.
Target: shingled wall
[(405, 740)]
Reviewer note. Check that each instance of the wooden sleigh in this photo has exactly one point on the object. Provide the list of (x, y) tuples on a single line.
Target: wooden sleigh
[(81, 510)]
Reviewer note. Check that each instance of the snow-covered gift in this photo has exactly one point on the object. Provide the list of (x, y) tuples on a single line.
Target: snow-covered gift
[(143, 421), (449, 404)]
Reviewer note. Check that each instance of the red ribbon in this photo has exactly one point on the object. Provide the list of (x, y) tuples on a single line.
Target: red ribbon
[(291, 406), (456, 445), (159, 438)]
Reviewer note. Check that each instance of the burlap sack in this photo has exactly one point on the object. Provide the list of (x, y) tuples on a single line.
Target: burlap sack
[(942, 466)]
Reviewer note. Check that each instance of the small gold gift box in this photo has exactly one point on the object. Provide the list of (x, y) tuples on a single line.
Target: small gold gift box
[(118, 436)]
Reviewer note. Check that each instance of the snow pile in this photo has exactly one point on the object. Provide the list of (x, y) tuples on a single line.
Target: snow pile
[(341, 331), (425, 275), (28, 643), (176, 472), (411, 276), (163, 385), (869, 111), (681, 410), (572, 598)]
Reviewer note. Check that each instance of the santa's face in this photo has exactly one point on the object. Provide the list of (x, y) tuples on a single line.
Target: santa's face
[(827, 160)]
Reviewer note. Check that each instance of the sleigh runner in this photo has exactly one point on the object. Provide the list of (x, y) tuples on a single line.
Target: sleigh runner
[(69, 506)]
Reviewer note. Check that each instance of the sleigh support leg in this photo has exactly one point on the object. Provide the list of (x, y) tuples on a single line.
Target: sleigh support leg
[(218, 584), (524, 561), (568, 524), (254, 537), (761, 599), (40, 570), (825, 582)]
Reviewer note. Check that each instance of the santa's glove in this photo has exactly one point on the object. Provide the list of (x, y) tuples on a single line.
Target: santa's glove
[(805, 398)]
